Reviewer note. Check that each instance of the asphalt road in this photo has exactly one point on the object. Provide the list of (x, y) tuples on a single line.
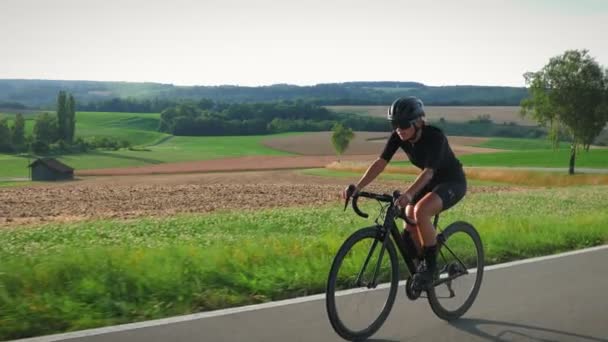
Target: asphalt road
[(558, 299)]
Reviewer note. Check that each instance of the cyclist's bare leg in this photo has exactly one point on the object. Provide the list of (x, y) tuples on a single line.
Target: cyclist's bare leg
[(413, 230), (429, 206)]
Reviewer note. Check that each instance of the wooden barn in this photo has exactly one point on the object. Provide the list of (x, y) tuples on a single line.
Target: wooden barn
[(50, 169)]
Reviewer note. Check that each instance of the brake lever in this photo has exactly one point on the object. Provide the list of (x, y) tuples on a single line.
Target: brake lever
[(349, 193)]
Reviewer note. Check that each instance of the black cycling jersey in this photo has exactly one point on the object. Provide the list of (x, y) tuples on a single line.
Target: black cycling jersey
[(431, 151)]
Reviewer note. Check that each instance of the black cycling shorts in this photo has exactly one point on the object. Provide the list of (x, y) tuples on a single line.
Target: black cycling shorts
[(450, 192)]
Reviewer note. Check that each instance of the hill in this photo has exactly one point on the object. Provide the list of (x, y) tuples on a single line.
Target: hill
[(42, 93)]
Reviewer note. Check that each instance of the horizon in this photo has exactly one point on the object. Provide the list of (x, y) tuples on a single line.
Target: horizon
[(257, 86), (263, 43)]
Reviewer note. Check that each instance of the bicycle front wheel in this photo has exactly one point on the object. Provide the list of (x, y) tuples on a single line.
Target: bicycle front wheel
[(356, 307), (460, 262)]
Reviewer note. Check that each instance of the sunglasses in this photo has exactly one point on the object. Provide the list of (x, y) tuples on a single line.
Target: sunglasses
[(402, 125)]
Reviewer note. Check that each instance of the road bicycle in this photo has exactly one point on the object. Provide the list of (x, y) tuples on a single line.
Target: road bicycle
[(364, 276)]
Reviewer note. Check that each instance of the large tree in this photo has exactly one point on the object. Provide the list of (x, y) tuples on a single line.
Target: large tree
[(341, 138), (569, 94)]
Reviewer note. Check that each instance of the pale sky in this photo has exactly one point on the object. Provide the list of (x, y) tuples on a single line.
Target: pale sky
[(303, 42)]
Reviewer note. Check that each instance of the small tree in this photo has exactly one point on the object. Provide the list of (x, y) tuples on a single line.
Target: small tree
[(569, 93), (341, 138), (18, 132)]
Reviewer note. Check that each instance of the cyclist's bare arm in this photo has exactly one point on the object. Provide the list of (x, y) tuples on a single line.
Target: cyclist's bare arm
[(372, 172), (421, 181)]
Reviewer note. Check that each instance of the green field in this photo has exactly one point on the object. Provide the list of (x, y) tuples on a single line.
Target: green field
[(538, 158), (156, 147), (63, 277), (520, 144), (140, 129), (548, 158), (175, 149)]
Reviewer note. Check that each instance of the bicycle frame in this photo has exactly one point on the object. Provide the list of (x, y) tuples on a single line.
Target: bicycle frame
[(388, 229)]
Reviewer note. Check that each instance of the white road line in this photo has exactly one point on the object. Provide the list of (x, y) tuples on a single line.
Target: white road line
[(223, 312)]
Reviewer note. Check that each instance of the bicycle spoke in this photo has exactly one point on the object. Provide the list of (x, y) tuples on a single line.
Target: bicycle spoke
[(369, 255)]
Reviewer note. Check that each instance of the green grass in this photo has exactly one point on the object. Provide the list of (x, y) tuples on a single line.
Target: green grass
[(538, 158), (520, 144), (138, 129), (10, 184), (13, 166), (63, 277), (197, 148), (176, 149), (595, 158)]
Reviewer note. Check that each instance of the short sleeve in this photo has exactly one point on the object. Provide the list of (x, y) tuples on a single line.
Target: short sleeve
[(392, 145)]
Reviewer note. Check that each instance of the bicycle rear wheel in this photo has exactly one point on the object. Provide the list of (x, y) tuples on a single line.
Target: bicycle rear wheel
[(355, 306), (460, 262)]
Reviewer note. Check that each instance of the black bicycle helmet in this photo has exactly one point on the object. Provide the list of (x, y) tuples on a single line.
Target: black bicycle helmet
[(405, 110)]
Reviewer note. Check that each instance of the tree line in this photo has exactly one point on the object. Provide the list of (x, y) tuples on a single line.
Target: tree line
[(150, 97), (209, 118), (129, 105), (215, 118)]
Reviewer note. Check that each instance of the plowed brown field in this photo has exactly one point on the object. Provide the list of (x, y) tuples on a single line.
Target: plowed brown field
[(162, 195)]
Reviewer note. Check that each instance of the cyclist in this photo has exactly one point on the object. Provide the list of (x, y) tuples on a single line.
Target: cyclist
[(439, 186)]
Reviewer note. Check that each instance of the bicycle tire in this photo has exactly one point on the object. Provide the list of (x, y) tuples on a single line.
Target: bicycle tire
[(332, 311), (434, 299)]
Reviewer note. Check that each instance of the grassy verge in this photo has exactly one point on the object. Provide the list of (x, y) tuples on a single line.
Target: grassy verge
[(67, 277)]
